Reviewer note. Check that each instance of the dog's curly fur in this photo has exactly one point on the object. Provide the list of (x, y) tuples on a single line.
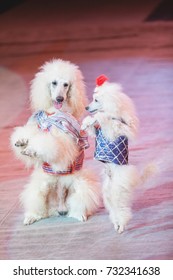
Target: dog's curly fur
[(58, 85), (60, 72), (114, 112)]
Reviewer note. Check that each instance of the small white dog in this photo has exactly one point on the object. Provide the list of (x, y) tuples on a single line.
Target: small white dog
[(51, 141), (114, 121)]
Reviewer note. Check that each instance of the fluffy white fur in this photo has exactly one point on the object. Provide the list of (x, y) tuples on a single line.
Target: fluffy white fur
[(59, 78), (114, 112), (57, 86)]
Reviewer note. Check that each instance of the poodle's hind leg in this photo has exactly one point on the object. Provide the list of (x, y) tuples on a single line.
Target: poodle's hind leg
[(76, 208), (108, 203), (117, 202), (118, 194), (118, 214), (62, 192), (34, 200), (84, 198), (120, 217)]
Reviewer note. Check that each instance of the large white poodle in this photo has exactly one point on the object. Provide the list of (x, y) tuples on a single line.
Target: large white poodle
[(52, 142), (113, 123)]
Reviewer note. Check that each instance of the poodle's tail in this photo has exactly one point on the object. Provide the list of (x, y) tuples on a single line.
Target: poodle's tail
[(150, 170)]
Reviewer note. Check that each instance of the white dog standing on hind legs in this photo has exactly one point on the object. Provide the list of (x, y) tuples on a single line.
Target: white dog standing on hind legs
[(51, 141), (113, 123)]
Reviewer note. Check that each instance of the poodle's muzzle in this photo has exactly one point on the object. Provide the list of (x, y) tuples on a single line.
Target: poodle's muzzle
[(59, 91), (59, 99), (94, 106), (91, 110)]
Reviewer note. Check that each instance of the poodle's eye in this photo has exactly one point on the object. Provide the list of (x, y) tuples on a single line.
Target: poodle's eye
[(65, 84), (54, 83), (95, 100)]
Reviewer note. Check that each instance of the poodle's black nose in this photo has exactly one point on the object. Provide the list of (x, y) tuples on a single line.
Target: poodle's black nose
[(63, 213), (87, 108), (60, 99)]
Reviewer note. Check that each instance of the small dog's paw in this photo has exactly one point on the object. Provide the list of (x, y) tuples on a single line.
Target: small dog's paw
[(21, 143), (87, 122), (29, 153), (31, 219), (119, 228)]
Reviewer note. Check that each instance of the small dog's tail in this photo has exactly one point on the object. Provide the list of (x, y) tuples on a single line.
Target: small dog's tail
[(149, 171)]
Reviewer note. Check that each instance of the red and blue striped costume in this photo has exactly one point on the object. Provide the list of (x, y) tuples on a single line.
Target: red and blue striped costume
[(68, 124)]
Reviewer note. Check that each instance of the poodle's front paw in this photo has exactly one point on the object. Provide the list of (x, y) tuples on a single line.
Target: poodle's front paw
[(22, 143), (87, 122), (29, 153), (30, 219)]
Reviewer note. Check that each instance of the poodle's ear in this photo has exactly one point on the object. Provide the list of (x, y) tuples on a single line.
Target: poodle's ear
[(132, 122), (39, 95), (129, 115), (77, 95)]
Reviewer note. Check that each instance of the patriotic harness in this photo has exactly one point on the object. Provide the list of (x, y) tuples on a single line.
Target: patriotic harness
[(68, 124)]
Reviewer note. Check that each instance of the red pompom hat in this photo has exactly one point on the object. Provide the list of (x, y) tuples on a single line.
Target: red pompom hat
[(101, 79)]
